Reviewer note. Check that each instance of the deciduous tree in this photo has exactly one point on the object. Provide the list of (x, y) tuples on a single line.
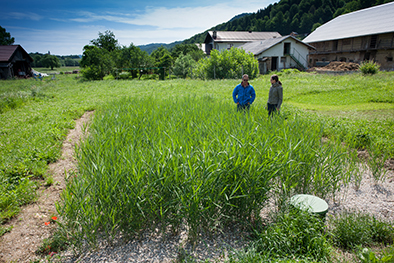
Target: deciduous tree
[(5, 37), (96, 63), (50, 61), (106, 41)]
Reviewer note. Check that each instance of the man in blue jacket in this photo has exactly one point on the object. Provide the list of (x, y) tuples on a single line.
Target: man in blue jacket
[(244, 94)]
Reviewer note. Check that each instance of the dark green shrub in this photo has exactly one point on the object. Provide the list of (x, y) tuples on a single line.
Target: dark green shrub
[(92, 73)]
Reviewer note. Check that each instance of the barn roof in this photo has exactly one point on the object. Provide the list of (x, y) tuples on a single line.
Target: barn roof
[(6, 52), (370, 21), (240, 36), (257, 47)]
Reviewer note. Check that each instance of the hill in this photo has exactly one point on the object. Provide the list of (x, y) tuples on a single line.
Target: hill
[(287, 16), (151, 47)]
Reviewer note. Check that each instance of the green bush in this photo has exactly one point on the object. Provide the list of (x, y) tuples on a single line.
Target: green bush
[(149, 76), (184, 66), (369, 67), (124, 75), (109, 77), (289, 71), (92, 73), (227, 64), (295, 234)]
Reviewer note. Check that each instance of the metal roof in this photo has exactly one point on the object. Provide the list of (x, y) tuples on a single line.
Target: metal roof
[(370, 21), (241, 36), (258, 47), (6, 52)]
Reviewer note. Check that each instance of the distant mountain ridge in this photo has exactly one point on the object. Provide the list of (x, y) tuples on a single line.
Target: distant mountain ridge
[(149, 48)]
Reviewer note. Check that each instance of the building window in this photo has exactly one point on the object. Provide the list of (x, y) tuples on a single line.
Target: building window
[(335, 45), (389, 59), (374, 41), (229, 46)]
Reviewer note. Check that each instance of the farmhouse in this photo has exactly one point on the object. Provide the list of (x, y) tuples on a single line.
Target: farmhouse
[(279, 53), (367, 34), (221, 40), (14, 61)]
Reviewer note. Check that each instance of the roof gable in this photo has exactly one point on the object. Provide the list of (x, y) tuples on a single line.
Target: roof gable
[(374, 20), (239, 36), (258, 47), (7, 52)]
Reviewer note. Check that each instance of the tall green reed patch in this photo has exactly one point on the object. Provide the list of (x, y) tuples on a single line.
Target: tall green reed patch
[(303, 163), (192, 160)]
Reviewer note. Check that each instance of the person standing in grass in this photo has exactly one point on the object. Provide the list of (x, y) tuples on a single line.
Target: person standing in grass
[(275, 96), (244, 94)]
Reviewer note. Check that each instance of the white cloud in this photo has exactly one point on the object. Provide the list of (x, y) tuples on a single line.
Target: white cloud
[(152, 25), (26, 15), (58, 42), (180, 17)]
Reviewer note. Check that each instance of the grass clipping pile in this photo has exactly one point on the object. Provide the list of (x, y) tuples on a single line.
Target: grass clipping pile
[(338, 66)]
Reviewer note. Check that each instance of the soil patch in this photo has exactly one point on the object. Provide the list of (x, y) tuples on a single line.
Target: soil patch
[(337, 66)]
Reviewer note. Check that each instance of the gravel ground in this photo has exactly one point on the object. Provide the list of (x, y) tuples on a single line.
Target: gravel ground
[(153, 247)]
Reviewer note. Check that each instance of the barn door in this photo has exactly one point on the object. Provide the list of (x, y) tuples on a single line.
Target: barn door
[(274, 63)]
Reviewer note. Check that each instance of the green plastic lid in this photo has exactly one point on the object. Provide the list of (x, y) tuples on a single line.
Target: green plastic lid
[(310, 203)]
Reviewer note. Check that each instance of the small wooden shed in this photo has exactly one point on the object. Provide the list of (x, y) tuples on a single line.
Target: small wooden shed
[(14, 61)]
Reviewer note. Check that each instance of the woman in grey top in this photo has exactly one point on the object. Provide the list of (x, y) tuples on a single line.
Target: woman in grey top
[(275, 96)]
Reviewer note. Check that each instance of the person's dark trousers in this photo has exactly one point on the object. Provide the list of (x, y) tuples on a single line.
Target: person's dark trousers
[(243, 107), (271, 109)]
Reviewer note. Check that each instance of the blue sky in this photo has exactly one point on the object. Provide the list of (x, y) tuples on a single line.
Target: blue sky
[(65, 27)]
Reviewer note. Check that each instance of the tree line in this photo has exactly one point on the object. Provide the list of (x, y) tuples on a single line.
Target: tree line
[(105, 58), (54, 61), (287, 16)]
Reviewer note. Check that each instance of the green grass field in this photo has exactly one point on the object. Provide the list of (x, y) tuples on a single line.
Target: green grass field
[(182, 140), (56, 70)]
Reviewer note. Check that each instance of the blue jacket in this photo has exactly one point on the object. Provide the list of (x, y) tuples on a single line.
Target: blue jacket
[(244, 95)]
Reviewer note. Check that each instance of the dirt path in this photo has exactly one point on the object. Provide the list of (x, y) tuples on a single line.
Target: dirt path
[(29, 231)]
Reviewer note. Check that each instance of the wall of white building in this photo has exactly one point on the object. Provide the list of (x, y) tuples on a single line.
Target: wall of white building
[(298, 50), (223, 46)]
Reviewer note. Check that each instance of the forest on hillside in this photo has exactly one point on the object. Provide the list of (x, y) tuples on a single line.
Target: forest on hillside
[(286, 16)]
